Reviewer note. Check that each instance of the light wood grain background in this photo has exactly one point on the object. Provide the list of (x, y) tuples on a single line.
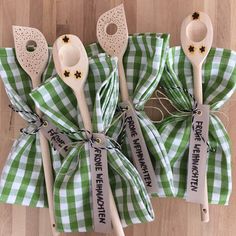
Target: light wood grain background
[(173, 217)]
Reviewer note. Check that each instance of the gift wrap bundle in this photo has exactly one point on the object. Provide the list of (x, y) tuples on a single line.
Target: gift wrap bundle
[(218, 86), (149, 64)]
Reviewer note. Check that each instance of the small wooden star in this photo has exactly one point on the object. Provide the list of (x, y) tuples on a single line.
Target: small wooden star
[(65, 39), (195, 15), (191, 48), (66, 73), (202, 49), (78, 74)]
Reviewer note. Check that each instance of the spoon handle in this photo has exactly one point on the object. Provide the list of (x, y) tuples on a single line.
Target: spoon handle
[(84, 111), (122, 81), (47, 166), (205, 207), (115, 218), (197, 73), (85, 115)]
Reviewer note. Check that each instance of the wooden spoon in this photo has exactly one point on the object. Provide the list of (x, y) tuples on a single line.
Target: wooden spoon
[(32, 54), (71, 62), (115, 44), (196, 40)]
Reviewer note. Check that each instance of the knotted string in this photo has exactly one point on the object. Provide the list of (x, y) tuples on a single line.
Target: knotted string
[(165, 98), (81, 142), (193, 111), (183, 112), (123, 115), (87, 138), (38, 123), (34, 125)]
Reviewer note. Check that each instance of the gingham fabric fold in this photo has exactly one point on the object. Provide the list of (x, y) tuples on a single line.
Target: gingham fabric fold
[(72, 190), (22, 178), (219, 73), (144, 61)]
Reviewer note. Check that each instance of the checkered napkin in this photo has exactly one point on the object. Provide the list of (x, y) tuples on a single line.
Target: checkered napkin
[(72, 189), (219, 71), (22, 179), (144, 61)]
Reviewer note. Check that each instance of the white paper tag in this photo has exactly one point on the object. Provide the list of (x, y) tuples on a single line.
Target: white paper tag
[(197, 159), (57, 139), (140, 155), (100, 185)]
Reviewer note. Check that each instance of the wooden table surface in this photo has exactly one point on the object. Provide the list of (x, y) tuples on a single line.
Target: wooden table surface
[(173, 217)]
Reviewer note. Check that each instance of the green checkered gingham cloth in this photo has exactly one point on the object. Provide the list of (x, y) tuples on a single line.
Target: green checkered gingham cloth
[(22, 178), (219, 80), (144, 62), (72, 188)]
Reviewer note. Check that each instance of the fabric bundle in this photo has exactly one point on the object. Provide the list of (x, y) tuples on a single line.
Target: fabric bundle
[(22, 178), (219, 71), (72, 187), (144, 61)]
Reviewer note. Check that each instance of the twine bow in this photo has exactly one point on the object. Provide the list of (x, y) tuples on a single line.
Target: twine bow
[(191, 112)]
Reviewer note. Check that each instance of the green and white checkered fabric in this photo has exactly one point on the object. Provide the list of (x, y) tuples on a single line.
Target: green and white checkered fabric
[(22, 178), (72, 189), (144, 62), (219, 82)]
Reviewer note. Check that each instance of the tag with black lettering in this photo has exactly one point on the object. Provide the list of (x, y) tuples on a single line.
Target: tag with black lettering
[(197, 159), (100, 185), (57, 139), (139, 150)]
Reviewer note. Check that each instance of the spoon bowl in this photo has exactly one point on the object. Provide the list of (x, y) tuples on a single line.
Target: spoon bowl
[(197, 37), (71, 61), (31, 51)]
